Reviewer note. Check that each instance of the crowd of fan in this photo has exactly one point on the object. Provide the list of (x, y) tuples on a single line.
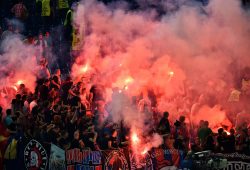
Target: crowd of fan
[(74, 115)]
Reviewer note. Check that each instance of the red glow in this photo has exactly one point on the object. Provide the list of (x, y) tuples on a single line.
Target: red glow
[(135, 139), (128, 80), (171, 73), (228, 133), (144, 151), (19, 82), (14, 87), (84, 69)]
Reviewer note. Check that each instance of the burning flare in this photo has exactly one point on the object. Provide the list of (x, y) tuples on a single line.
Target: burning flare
[(135, 139), (19, 82), (85, 68)]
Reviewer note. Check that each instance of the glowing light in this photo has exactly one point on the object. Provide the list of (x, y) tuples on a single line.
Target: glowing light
[(14, 87), (144, 151), (228, 133), (216, 129), (19, 82), (120, 91), (128, 80), (126, 87), (135, 139), (171, 73), (85, 68)]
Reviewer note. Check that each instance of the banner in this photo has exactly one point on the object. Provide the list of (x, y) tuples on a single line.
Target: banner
[(83, 160), (97, 160), (236, 161), (35, 156), (42, 156), (166, 158), (116, 159), (57, 158), (144, 162), (38, 156)]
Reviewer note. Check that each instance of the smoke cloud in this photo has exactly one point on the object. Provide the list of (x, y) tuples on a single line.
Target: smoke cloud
[(17, 65), (193, 48), (186, 51)]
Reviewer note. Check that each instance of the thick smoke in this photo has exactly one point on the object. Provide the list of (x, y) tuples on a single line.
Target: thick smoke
[(182, 55), (17, 65)]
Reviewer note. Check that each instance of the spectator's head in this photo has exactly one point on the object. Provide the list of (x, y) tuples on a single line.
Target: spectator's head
[(64, 134), (57, 119), (206, 124), (76, 135), (197, 141), (22, 86), (40, 36), (166, 114), (194, 147), (46, 82), (17, 114), (35, 111), (220, 131), (82, 144), (58, 72), (79, 84), (30, 38), (34, 98), (224, 134), (8, 112), (177, 123), (201, 123), (24, 97), (47, 34), (232, 131), (168, 142), (43, 62), (74, 6), (13, 102), (182, 119), (55, 78), (18, 97)]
